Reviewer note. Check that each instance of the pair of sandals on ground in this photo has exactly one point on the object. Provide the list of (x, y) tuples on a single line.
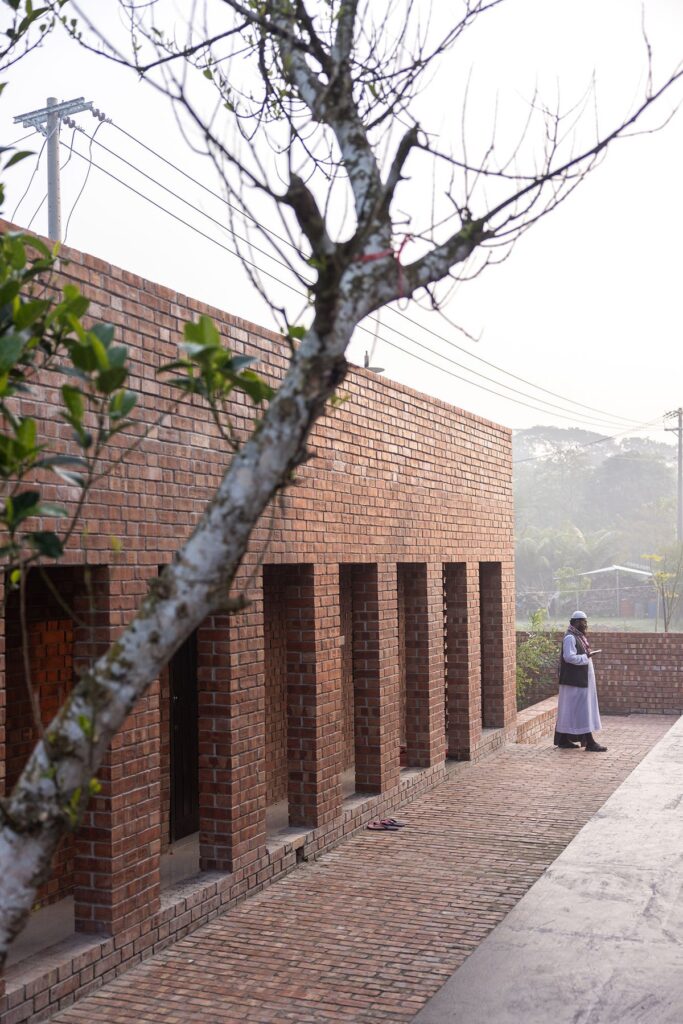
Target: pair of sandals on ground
[(565, 741), (386, 825)]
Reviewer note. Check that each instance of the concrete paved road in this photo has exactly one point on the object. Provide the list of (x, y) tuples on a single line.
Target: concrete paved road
[(599, 938)]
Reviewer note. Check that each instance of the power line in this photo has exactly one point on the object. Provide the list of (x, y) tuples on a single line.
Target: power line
[(570, 413), (30, 180), (565, 414), (377, 336), (191, 226), (22, 139), (85, 180), (448, 341)]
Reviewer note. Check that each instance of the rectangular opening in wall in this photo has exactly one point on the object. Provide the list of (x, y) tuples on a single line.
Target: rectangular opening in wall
[(55, 599), (413, 631), (275, 655), (290, 672), (491, 624), (184, 740), (359, 608), (348, 765), (457, 688)]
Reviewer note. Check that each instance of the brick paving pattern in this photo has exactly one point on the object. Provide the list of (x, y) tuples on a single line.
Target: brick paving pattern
[(370, 931)]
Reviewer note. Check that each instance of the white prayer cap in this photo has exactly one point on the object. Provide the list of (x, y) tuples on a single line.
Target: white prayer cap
[(579, 615)]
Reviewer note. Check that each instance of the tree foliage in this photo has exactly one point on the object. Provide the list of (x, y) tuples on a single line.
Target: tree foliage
[(537, 655), (582, 504)]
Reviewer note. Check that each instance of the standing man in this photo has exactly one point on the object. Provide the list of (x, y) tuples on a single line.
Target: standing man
[(578, 715)]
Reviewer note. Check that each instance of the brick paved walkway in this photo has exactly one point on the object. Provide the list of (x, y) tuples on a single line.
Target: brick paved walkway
[(369, 932)]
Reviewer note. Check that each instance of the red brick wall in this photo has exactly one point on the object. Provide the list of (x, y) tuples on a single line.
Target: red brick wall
[(396, 478), (636, 673)]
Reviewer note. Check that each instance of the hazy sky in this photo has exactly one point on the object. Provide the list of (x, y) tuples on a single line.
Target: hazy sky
[(587, 306)]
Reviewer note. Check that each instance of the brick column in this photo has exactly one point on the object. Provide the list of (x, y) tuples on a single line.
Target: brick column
[(492, 652), (463, 661), (375, 677), (434, 736), (509, 645), (421, 660), (117, 848), (314, 729), (232, 794)]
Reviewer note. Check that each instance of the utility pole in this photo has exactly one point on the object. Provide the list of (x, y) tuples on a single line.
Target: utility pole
[(47, 120), (679, 430), (54, 193)]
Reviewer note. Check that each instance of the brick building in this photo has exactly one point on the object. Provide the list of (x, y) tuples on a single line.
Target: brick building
[(379, 639)]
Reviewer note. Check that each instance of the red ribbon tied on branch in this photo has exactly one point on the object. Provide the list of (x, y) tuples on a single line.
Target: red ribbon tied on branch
[(370, 257)]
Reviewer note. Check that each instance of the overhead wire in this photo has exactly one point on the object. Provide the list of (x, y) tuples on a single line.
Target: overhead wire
[(566, 413), (62, 166), (23, 138), (396, 312), (85, 180), (35, 171), (563, 414)]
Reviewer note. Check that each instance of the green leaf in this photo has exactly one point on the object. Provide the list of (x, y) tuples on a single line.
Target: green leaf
[(117, 355), (254, 386), (73, 400), (46, 543), (104, 332), (111, 379), (203, 333), (122, 404), (29, 312), (99, 351), (21, 507), (27, 432), (20, 155), (11, 348), (298, 333)]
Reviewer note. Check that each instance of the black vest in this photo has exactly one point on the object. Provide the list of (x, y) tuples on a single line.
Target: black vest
[(573, 675)]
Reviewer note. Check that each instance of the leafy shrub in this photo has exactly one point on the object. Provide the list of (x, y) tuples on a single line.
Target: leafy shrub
[(536, 656)]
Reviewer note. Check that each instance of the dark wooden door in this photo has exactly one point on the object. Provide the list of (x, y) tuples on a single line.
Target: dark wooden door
[(184, 740)]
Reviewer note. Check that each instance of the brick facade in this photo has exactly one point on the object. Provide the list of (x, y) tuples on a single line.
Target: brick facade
[(379, 633)]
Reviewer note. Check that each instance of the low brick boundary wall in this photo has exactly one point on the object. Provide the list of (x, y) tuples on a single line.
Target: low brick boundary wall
[(537, 722), (637, 673)]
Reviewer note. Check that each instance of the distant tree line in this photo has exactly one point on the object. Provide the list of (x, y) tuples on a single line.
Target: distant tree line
[(582, 504)]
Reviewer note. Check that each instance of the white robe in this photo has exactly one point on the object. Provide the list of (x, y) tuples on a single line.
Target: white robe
[(577, 707)]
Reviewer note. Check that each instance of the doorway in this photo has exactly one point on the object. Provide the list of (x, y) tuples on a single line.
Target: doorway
[(184, 740)]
